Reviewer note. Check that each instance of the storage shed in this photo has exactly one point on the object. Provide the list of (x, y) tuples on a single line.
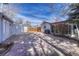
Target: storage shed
[(46, 27)]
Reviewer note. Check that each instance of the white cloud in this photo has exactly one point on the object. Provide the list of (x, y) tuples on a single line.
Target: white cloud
[(31, 19)]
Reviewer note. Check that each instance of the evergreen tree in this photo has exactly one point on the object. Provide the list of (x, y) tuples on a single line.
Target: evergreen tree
[(74, 13)]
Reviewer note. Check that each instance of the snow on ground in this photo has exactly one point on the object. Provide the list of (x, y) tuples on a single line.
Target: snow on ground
[(28, 45), (69, 46)]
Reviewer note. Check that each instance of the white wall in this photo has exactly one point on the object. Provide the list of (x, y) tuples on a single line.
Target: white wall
[(0, 30), (14, 29), (5, 30), (19, 28), (8, 34), (25, 29)]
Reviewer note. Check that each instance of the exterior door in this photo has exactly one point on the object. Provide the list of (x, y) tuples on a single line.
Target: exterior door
[(75, 27)]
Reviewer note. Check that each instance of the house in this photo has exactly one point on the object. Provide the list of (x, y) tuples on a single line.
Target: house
[(8, 27), (65, 28), (61, 28), (5, 27)]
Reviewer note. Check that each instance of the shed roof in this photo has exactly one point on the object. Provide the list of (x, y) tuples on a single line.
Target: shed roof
[(45, 22)]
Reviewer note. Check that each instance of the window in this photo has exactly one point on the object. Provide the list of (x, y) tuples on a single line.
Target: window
[(74, 26), (44, 26), (78, 26)]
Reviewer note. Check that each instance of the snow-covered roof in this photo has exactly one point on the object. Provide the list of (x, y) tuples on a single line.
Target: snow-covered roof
[(45, 22)]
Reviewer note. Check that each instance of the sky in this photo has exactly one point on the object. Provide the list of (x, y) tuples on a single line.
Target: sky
[(38, 12)]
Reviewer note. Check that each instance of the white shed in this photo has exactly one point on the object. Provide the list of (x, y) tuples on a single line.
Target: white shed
[(46, 27)]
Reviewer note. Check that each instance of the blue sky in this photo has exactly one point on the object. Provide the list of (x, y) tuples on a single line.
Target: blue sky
[(42, 11)]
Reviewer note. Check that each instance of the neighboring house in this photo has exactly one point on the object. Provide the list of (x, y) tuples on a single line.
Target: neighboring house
[(61, 28), (5, 27), (46, 27), (65, 28)]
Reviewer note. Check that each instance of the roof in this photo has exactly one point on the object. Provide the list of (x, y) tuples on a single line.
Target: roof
[(59, 22), (5, 17), (45, 22)]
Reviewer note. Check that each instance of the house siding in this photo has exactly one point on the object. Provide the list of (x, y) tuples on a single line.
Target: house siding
[(9, 28), (5, 29)]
